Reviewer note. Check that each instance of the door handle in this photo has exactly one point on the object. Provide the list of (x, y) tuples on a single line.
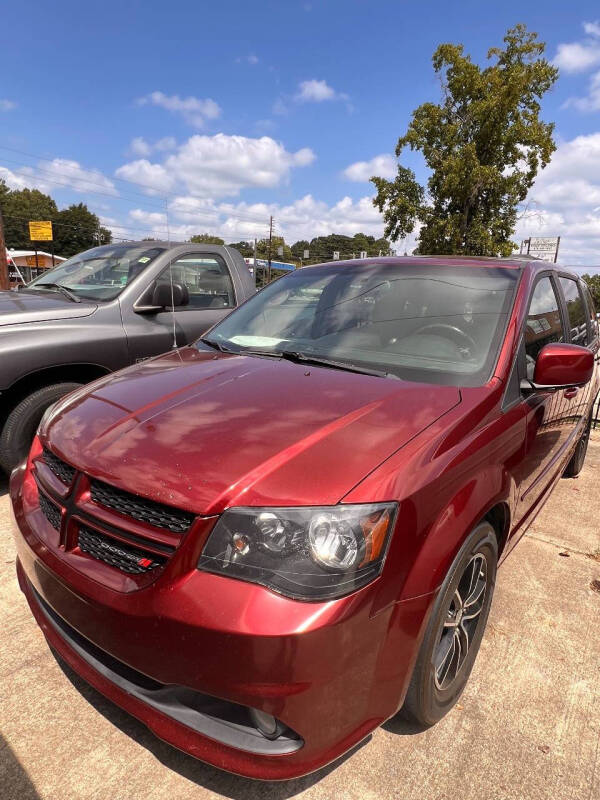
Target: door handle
[(571, 392)]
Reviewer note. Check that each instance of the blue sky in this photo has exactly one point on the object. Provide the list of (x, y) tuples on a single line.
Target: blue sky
[(239, 110)]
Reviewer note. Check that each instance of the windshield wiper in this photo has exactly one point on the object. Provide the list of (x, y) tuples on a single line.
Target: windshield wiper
[(216, 345), (308, 358), (320, 361), (57, 287)]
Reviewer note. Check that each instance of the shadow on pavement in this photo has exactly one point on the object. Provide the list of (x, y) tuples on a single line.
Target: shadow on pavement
[(3, 485), (232, 786), (14, 781)]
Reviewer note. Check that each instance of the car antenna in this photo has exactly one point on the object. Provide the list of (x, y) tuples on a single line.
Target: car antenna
[(174, 346)]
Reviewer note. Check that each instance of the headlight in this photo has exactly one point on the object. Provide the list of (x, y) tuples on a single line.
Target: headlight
[(306, 553)]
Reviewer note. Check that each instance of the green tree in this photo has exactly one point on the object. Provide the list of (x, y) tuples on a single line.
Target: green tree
[(206, 238), (76, 228), (483, 144), (593, 281), (18, 208), (298, 248), (262, 249), (245, 248)]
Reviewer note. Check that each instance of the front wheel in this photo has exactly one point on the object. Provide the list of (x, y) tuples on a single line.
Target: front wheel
[(455, 629), (22, 422), (577, 461)]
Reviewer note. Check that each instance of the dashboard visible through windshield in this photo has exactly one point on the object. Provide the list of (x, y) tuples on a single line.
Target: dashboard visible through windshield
[(98, 274), (435, 323)]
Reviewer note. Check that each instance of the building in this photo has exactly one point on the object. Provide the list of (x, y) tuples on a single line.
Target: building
[(25, 265)]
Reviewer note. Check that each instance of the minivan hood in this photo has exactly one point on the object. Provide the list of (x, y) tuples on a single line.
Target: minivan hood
[(39, 306), (205, 431)]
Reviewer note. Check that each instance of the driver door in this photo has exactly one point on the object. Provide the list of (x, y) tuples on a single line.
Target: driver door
[(211, 297)]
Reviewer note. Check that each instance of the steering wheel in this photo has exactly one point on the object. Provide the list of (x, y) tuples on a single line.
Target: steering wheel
[(460, 338)]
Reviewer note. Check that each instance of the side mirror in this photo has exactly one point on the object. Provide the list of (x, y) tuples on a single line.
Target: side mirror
[(560, 366), (163, 297)]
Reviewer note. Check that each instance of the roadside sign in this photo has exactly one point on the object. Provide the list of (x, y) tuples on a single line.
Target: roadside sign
[(306, 254), (280, 250), (40, 231), (336, 255), (363, 254), (544, 247)]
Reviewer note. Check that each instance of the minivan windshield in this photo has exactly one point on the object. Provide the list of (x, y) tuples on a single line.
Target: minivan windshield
[(417, 321), (98, 274)]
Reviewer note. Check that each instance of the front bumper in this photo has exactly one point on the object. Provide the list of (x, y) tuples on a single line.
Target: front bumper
[(331, 671)]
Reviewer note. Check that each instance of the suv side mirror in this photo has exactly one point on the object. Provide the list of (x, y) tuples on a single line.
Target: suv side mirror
[(164, 297), (560, 366)]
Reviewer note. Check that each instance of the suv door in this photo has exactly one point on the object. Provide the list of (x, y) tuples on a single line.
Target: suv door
[(548, 415), (580, 333), (211, 297)]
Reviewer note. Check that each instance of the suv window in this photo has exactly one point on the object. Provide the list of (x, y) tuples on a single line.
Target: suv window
[(576, 310), (591, 311), (543, 322), (206, 277)]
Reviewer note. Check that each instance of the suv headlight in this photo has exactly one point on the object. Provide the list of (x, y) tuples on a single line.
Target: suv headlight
[(307, 553)]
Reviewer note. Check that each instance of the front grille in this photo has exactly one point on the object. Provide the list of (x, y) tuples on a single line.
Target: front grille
[(127, 559), (64, 472), (50, 511), (157, 514)]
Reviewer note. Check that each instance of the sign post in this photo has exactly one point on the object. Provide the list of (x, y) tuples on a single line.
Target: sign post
[(544, 247), (40, 231)]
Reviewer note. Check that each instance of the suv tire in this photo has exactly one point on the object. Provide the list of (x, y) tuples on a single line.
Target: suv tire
[(577, 460), (437, 683), (22, 422)]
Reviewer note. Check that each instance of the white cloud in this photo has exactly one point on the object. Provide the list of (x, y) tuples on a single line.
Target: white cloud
[(592, 28), (384, 166), (141, 147), (193, 109), (591, 102), (251, 59), (219, 166), (565, 201), (315, 91), (302, 219), (154, 177), (60, 173), (577, 56), (72, 174), (7, 105)]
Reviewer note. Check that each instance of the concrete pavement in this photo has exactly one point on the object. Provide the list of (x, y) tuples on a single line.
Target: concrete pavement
[(527, 726)]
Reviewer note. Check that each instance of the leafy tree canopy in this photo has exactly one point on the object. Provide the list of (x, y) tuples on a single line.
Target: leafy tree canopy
[(206, 238), (593, 281), (245, 248), (77, 229), (322, 248), (483, 144), (74, 228)]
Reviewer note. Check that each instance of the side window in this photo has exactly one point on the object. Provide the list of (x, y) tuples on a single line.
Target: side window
[(543, 322), (206, 277), (591, 311), (576, 310)]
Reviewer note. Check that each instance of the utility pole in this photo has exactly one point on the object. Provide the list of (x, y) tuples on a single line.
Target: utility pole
[(4, 279), (270, 243), (255, 264)]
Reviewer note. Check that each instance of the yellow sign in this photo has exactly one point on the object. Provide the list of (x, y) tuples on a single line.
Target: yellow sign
[(40, 231)]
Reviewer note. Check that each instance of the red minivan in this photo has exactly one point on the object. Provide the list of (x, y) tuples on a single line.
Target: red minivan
[(265, 544)]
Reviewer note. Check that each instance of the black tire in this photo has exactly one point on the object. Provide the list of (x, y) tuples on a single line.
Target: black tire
[(432, 693), (22, 422), (577, 461)]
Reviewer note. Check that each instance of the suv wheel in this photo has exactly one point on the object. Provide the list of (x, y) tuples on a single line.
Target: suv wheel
[(455, 629), (22, 422), (575, 465)]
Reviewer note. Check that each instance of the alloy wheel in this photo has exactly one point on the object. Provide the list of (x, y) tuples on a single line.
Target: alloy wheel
[(460, 622)]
